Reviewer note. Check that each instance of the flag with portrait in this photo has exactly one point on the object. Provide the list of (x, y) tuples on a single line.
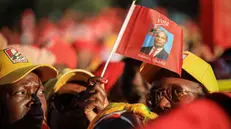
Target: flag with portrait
[(152, 38)]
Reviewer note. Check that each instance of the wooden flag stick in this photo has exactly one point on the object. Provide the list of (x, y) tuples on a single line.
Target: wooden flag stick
[(120, 35)]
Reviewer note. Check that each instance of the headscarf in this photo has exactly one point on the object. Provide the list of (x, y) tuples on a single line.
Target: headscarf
[(138, 109)]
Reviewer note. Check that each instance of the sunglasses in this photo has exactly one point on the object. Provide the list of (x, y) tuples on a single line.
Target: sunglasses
[(174, 93)]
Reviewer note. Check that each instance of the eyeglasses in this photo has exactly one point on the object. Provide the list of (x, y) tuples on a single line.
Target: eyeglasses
[(174, 93)]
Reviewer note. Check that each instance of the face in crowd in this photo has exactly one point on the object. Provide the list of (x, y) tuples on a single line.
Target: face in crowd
[(169, 92), (75, 104), (17, 98), (161, 39)]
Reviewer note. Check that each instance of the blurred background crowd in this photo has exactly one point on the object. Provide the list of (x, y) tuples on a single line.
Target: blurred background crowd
[(81, 33)]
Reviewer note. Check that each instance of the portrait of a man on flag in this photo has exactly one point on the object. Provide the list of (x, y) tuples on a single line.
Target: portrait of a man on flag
[(157, 43), (150, 37)]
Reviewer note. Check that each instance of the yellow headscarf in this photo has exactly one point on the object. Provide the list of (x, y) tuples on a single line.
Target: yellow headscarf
[(138, 109)]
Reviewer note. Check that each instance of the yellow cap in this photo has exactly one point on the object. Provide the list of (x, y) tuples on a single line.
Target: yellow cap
[(14, 66), (71, 75), (200, 70), (224, 85), (193, 65)]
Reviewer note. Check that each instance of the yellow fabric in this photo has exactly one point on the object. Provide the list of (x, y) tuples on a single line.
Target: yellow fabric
[(138, 109), (200, 70), (13, 68), (193, 65), (224, 85), (68, 75)]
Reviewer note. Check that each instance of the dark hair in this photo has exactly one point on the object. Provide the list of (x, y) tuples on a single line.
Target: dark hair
[(114, 123), (82, 123)]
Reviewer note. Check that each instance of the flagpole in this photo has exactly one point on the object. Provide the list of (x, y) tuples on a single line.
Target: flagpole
[(120, 35)]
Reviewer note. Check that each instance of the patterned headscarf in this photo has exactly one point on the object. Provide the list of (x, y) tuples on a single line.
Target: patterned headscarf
[(138, 109)]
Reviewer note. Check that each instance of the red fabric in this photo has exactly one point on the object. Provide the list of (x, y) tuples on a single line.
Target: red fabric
[(113, 73), (64, 53), (202, 114), (45, 126), (163, 11), (215, 19), (135, 34), (206, 21), (67, 27), (66, 23), (85, 45), (14, 38), (11, 37), (113, 17), (47, 30), (49, 39), (27, 20), (222, 23)]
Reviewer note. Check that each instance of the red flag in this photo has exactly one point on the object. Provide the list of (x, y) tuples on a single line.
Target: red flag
[(222, 23), (215, 20), (152, 38)]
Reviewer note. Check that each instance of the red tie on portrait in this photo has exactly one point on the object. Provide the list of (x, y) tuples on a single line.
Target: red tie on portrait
[(153, 52)]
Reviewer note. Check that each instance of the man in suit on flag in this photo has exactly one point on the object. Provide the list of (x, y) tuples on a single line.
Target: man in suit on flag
[(157, 50)]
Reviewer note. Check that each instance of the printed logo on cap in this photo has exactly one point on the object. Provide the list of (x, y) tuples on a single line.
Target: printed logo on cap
[(15, 56)]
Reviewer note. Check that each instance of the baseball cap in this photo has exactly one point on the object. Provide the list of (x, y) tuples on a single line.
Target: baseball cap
[(193, 65), (224, 85), (36, 55), (14, 66), (70, 75)]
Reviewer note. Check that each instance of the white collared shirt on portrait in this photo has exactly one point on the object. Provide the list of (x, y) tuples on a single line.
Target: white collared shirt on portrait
[(156, 52)]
